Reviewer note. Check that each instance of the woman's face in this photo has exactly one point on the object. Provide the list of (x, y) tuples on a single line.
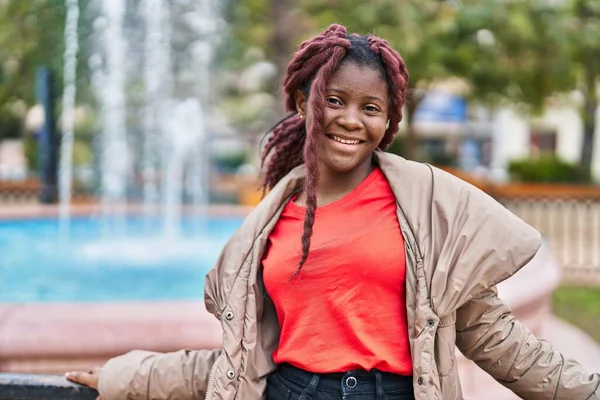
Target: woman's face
[(356, 113)]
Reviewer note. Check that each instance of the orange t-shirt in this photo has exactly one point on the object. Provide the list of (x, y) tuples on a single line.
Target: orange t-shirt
[(347, 308)]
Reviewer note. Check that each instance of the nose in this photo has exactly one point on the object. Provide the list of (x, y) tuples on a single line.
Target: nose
[(349, 119)]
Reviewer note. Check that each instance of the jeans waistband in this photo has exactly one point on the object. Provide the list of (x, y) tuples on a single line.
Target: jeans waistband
[(331, 381)]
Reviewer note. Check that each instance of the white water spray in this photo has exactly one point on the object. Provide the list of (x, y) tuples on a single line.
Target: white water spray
[(65, 176), (150, 68), (158, 88), (115, 152)]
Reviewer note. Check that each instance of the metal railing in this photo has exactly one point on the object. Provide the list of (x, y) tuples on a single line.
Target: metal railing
[(19, 192), (36, 387), (571, 227)]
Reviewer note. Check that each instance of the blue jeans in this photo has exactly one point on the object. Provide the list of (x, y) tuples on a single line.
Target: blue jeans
[(290, 383)]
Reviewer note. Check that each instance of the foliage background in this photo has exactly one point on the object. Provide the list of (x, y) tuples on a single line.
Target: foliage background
[(515, 52)]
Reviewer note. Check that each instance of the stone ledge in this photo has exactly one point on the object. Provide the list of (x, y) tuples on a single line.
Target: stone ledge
[(54, 338), (35, 387), (29, 211)]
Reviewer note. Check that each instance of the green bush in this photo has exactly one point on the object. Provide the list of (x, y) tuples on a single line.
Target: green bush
[(548, 169), (397, 146), (30, 147), (11, 126), (231, 161)]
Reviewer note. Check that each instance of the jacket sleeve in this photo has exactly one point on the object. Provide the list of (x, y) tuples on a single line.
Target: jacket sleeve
[(148, 375), (489, 334)]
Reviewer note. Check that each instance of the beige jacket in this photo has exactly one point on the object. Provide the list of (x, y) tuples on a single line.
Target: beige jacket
[(459, 244)]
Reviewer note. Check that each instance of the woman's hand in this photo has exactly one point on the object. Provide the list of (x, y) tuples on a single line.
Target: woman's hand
[(89, 378)]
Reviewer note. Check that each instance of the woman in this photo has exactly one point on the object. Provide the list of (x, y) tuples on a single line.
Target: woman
[(360, 271)]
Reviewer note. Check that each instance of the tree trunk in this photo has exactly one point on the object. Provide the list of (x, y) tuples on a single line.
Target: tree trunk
[(591, 64), (589, 113), (589, 128)]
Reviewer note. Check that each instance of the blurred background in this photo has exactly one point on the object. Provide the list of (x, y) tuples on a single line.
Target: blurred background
[(130, 135)]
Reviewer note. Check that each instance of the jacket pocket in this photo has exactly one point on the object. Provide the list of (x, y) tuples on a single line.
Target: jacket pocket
[(445, 346)]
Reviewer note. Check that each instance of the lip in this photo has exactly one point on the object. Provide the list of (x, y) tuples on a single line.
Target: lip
[(352, 139), (343, 149)]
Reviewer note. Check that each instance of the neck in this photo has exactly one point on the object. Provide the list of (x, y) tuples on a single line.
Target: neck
[(335, 185)]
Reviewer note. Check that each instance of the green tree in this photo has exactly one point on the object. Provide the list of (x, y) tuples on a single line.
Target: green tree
[(584, 29), (418, 28), (517, 52), (31, 35), (513, 51), (538, 49)]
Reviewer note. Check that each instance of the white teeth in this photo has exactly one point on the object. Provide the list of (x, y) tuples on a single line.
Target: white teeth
[(338, 139)]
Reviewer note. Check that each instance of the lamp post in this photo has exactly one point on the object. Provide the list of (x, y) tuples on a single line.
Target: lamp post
[(47, 141)]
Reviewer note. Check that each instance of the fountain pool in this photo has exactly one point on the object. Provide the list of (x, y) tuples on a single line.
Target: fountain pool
[(134, 263)]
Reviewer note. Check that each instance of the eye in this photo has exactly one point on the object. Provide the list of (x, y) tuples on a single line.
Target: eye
[(333, 101), (372, 108)]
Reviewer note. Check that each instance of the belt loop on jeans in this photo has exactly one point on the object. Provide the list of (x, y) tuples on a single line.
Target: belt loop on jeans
[(309, 392), (379, 385)]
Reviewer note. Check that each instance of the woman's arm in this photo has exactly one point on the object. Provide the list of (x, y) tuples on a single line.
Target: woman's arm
[(149, 375), (488, 334)]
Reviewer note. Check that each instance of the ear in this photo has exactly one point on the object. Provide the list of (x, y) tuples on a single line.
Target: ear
[(300, 102)]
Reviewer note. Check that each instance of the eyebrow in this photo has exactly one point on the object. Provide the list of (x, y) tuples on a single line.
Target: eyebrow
[(368, 97)]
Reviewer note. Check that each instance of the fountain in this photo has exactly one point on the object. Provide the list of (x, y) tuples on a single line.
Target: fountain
[(152, 146), (149, 63), (141, 254)]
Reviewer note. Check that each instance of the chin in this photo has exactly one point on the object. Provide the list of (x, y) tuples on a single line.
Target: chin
[(342, 166)]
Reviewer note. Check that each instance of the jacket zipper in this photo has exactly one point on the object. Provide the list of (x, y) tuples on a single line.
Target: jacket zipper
[(211, 376), (209, 389)]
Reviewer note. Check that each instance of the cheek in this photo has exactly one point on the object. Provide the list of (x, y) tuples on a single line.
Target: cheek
[(378, 129), (329, 116), (309, 118)]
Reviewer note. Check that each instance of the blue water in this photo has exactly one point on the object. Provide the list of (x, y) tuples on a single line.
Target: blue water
[(125, 260)]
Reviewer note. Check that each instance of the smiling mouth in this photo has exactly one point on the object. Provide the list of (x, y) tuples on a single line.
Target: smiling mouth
[(345, 141)]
